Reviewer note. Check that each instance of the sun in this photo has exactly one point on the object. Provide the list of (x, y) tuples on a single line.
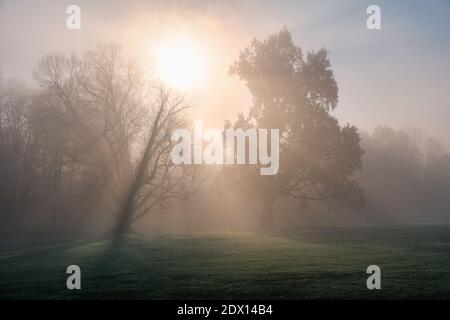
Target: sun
[(181, 63)]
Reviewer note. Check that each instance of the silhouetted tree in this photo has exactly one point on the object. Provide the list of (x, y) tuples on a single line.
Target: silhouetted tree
[(295, 94), (119, 130), (156, 178)]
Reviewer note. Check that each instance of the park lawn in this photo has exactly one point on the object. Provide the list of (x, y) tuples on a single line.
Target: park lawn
[(325, 263)]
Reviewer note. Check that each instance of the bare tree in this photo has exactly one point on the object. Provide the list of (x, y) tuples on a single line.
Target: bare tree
[(156, 178), (120, 130), (18, 153)]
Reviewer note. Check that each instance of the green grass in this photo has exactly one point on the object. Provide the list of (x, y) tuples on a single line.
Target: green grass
[(306, 264)]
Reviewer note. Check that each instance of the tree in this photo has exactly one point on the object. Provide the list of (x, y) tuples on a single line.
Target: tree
[(296, 95), (156, 178), (119, 130), (19, 154)]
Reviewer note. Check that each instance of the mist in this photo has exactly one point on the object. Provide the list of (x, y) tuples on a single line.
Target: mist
[(220, 149), (391, 92)]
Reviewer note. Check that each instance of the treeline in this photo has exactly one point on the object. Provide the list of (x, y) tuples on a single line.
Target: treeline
[(406, 176)]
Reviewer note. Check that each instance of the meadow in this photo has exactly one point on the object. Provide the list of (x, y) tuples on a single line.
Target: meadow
[(320, 263)]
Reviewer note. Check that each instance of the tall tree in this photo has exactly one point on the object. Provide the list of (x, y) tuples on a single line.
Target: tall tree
[(119, 130), (296, 94), (156, 178)]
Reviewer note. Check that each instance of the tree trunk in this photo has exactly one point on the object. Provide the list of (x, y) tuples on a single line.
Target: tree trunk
[(266, 217), (124, 222)]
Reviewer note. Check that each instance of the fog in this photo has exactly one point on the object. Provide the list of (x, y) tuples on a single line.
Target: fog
[(85, 133)]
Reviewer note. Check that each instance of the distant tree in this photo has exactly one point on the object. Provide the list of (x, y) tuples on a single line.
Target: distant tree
[(393, 158), (406, 175), (19, 154), (295, 94), (435, 182)]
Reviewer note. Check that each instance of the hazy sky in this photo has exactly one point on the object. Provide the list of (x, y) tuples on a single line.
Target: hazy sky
[(399, 75)]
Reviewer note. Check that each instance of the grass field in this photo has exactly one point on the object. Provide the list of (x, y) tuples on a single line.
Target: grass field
[(306, 264)]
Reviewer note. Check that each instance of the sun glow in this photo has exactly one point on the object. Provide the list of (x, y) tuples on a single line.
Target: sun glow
[(181, 63)]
